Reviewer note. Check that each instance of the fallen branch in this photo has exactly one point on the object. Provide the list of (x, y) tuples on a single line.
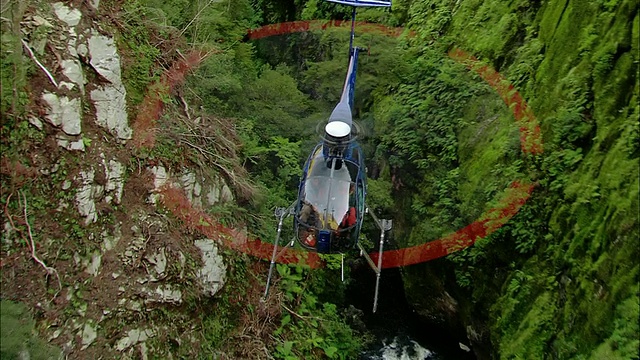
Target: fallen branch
[(208, 154), (204, 151), (33, 56), (195, 17), (13, 225), (186, 107), (295, 313), (302, 317), (30, 242), (48, 269), (181, 55)]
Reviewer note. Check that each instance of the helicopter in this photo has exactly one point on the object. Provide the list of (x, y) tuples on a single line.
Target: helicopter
[(330, 208)]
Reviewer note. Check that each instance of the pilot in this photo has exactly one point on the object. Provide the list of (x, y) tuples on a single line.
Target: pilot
[(305, 212), (309, 216)]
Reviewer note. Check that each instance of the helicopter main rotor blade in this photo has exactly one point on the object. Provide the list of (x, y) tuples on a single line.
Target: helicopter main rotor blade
[(375, 3)]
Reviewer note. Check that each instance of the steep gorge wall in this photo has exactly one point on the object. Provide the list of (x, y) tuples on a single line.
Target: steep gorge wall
[(86, 240), (560, 280)]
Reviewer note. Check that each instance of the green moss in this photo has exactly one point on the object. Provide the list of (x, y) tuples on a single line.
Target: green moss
[(623, 342), (570, 292), (136, 43), (19, 339), (13, 66), (488, 152), (530, 340)]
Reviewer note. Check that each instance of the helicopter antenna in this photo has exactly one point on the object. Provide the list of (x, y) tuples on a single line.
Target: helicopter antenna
[(353, 29)]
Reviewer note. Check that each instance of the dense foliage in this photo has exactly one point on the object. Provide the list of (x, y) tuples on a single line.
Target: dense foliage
[(274, 119), (559, 279), (19, 340)]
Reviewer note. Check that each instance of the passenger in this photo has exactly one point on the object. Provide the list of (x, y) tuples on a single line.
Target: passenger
[(309, 217), (349, 218), (331, 223), (305, 212)]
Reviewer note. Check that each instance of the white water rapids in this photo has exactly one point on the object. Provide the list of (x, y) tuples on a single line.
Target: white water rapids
[(401, 348)]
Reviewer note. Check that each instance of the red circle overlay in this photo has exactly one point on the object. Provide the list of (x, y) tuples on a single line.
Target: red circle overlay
[(509, 203)]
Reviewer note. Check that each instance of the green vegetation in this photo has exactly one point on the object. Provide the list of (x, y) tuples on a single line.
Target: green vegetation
[(311, 328), (560, 277), (559, 280), (14, 97), (249, 112), (19, 339), (13, 67), (136, 43)]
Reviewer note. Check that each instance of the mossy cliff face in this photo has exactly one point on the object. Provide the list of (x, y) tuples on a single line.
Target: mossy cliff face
[(560, 279)]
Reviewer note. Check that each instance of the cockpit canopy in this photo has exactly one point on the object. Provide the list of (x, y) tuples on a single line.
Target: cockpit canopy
[(328, 203)]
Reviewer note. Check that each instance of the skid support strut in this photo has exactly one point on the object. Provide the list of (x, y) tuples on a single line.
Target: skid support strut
[(281, 213), (384, 225)]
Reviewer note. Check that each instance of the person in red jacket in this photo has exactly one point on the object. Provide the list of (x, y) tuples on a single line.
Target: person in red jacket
[(349, 218)]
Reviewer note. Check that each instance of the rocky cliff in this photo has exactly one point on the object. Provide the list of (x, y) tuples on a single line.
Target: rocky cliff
[(85, 239)]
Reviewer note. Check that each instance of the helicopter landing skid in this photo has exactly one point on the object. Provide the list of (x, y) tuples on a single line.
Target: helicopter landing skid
[(281, 213), (384, 225)]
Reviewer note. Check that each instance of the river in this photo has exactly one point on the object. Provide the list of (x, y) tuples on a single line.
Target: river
[(399, 332)]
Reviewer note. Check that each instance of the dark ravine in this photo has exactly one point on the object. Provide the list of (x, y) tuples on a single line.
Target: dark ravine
[(395, 318)]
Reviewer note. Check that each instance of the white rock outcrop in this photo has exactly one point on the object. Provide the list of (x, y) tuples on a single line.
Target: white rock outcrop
[(200, 191), (111, 110), (73, 71), (109, 100), (104, 57), (89, 335), (160, 178), (134, 337), (191, 187), (69, 144), (166, 294), (90, 192), (159, 262), (109, 241), (70, 16), (92, 267), (115, 181), (86, 195), (212, 275), (64, 113), (71, 67)]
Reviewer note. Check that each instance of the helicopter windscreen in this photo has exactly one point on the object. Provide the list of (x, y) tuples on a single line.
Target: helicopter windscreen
[(328, 193)]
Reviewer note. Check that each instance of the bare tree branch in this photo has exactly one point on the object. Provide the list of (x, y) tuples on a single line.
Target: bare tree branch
[(30, 242), (35, 257), (33, 56), (195, 17)]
